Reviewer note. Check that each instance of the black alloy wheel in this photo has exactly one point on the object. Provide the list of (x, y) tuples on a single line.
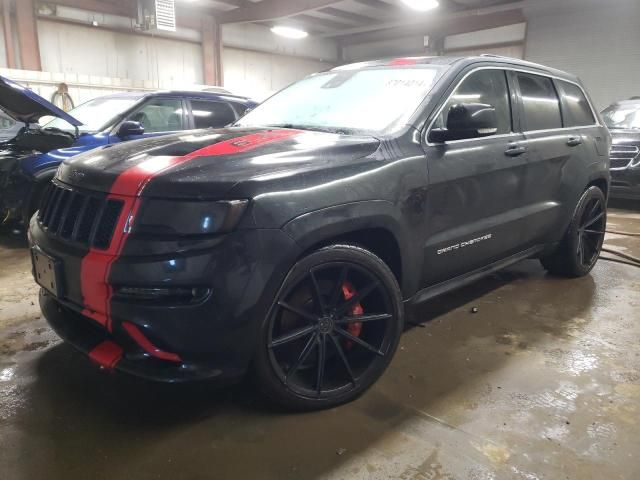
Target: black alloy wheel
[(580, 248), (332, 331), (591, 232)]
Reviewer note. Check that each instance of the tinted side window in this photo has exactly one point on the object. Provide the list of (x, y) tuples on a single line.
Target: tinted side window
[(540, 102), (483, 86), (160, 115), (576, 109), (240, 108), (211, 114)]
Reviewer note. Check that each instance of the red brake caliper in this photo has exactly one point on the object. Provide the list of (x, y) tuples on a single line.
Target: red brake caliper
[(355, 328)]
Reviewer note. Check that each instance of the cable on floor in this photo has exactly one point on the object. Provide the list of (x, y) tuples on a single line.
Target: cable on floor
[(619, 260), (631, 260), (628, 234)]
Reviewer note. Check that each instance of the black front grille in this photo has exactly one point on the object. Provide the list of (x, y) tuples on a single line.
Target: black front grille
[(88, 219), (623, 155)]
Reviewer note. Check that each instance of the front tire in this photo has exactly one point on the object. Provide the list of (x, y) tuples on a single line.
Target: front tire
[(580, 248), (332, 330)]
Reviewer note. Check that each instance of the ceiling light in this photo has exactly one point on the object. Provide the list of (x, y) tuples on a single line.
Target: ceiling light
[(289, 32), (421, 5)]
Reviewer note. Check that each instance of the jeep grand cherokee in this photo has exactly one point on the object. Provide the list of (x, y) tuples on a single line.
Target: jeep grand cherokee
[(290, 244)]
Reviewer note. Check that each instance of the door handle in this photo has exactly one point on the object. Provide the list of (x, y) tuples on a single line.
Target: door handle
[(515, 150), (574, 141)]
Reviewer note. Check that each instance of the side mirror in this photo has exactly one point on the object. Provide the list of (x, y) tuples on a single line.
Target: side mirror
[(129, 128), (467, 120)]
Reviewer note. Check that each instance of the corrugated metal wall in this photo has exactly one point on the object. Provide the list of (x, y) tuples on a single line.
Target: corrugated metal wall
[(83, 50), (598, 41), (259, 74)]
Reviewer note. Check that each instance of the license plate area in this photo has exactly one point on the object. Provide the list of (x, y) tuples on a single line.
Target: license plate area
[(47, 272)]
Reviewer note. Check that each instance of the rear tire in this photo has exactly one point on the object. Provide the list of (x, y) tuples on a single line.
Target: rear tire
[(580, 248), (314, 351)]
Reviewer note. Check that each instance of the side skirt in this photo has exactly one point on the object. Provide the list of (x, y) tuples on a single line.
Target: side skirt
[(471, 277)]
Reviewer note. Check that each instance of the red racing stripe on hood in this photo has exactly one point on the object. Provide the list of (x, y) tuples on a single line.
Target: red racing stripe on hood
[(96, 265)]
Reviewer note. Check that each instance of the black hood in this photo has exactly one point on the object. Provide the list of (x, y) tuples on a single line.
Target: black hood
[(208, 163)]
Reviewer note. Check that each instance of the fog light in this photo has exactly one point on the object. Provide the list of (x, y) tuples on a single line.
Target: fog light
[(170, 294)]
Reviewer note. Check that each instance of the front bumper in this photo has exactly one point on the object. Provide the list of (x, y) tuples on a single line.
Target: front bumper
[(625, 183), (213, 337), (86, 336)]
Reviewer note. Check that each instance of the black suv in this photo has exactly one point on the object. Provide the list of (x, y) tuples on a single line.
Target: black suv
[(623, 120), (290, 244)]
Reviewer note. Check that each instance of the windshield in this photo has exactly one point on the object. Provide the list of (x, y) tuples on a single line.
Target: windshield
[(95, 114), (623, 116), (370, 100), (5, 121)]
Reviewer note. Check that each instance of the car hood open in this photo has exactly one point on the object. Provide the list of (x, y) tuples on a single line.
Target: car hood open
[(26, 106)]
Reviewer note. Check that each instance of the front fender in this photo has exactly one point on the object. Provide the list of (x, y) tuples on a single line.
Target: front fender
[(321, 226)]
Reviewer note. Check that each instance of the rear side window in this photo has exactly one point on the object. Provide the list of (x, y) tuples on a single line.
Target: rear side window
[(540, 102), (575, 106), (211, 114), (483, 86), (240, 108)]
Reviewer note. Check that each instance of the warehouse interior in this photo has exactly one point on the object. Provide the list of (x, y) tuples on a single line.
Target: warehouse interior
[(519, 375)]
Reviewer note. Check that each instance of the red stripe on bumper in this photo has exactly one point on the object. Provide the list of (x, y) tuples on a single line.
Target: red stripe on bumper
[(96, 265), (146, 344), (107, 354)]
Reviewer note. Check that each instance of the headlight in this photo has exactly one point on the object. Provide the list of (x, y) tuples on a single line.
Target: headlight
[(181, 218)]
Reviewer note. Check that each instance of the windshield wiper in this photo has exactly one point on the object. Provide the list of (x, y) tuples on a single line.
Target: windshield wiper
[(315, 128)]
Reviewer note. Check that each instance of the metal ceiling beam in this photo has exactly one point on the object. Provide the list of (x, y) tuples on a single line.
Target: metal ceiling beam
[(310, 20), (347, 16), (126, 8), (378, 5), (452, 24), (432, 17), (310, 29), (271, 10), (235, 3)]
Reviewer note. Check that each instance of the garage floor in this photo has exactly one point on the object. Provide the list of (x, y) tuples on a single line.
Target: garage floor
[(542, 382)]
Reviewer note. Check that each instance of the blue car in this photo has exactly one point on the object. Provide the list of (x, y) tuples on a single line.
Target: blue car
[(29, 160)]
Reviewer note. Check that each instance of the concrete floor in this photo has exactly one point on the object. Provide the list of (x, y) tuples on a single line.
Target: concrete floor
[(542, 383)]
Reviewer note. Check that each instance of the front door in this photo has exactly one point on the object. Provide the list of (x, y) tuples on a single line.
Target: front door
[(476, 206), (158, 116)]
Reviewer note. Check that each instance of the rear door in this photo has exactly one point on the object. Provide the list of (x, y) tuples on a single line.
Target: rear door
[(476, 208), (553, 152), (211, 114), (587, 137)]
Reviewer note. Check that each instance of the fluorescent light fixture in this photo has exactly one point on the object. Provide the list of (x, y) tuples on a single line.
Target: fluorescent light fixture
[(289, 32), (421, 5)]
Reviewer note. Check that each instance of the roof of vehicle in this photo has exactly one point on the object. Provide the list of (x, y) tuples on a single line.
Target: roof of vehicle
[(459, 62), (181, 93), (633, 101)]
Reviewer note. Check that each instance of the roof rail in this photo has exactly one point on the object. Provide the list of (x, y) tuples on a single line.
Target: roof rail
[(215, 90)]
